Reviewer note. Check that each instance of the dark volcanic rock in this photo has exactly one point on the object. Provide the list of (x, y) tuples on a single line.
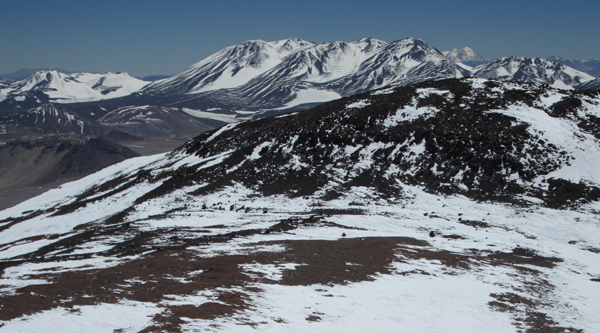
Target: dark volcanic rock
[(449, 139)]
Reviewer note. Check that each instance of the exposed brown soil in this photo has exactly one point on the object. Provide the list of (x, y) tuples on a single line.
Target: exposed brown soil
[(524, 256), (327, 262), (155, 276)]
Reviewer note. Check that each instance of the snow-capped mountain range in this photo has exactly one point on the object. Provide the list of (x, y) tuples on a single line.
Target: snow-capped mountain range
[(313, 73), (265, 77), (250, 80), (457, 205), (257, 75), (590, 66), (63, 88), (534, 70)]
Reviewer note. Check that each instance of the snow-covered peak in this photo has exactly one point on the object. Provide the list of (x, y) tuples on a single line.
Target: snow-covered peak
[(292, 44), (76, 87), (327, 61), (369, 44), (401, 62), (555, 57), (465, 55), (411, 42), (533, 70), (230, 67), (411, 52), (43, 78)]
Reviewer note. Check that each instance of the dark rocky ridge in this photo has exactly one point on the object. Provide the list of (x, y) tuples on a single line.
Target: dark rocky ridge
[(462, 140)]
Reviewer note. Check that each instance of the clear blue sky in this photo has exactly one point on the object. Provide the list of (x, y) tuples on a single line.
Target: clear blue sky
[(165, 37)]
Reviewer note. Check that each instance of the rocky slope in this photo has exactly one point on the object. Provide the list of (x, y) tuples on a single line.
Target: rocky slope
[(46, 119), (34, 162), (374, 211)]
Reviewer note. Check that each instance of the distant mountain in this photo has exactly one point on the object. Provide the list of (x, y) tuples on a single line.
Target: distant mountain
[(590, 66), (263, 78), (24, 73), (228, 68), (402, 62), (57, 87), (466, 55), (46, 119), (593, 84), (286, 74), (532, 70), (444, 206)]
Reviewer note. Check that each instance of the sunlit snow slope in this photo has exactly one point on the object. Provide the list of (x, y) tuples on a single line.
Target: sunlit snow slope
[(533, 70), (73, 88), (259, 75)]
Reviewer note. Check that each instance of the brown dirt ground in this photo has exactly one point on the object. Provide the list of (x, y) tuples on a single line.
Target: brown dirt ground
[(322, 262)]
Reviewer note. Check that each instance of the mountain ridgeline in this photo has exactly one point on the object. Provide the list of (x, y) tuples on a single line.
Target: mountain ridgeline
[(263, 78)]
